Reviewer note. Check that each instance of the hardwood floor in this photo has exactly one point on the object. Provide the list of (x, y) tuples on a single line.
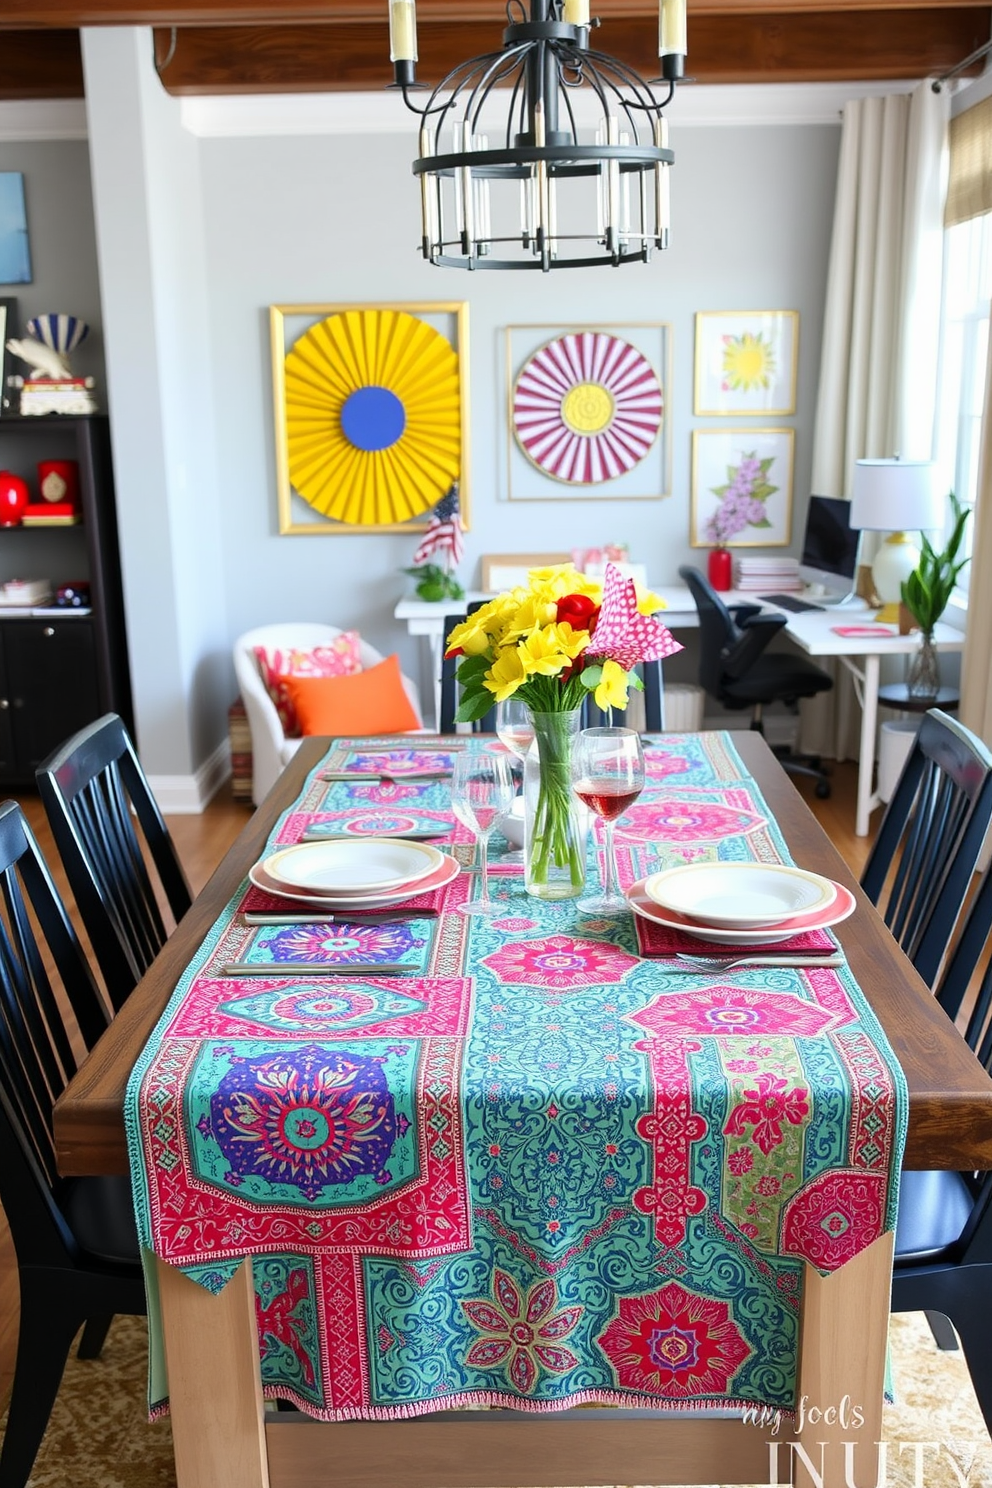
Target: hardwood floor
[(202, 841)]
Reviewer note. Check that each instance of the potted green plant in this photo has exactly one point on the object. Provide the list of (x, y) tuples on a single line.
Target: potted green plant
[(926, 594), (435, 582)]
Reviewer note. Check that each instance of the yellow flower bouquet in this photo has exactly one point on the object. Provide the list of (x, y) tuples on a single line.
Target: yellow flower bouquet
[(551, 642)]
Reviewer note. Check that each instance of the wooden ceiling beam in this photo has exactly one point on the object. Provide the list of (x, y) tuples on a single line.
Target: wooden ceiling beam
[(73, 13), (822, 46), (41, 64)]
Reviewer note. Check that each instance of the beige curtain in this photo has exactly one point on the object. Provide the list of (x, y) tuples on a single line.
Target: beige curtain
[(969, 194), (877, 391), (976, 664)]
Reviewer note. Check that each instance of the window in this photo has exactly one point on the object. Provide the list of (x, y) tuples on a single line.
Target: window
[(964, 351)]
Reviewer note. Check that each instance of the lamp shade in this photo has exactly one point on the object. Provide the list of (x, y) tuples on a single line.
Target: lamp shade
[(895, 496)]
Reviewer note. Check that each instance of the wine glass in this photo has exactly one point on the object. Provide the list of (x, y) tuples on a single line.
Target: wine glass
[(515, 729), (481, 792), (609, 777)]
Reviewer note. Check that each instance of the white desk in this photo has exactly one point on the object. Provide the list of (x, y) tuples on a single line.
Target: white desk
[(811, 630)]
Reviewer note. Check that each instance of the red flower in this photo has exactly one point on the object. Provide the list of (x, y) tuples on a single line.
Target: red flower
[(579, 610), (674, 1343), (765, 1109)]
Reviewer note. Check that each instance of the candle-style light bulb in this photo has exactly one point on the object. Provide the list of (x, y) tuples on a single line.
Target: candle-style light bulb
[(672, 39), (402, 31), (576, 12)]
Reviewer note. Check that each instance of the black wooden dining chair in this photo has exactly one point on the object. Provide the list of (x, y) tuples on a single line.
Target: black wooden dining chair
[(94, 791), (920, 866), (943, 1260), (75, 1239), (654, 703), (450, 691)]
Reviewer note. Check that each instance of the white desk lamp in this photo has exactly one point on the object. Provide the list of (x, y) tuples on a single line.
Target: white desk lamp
[(898, 497)]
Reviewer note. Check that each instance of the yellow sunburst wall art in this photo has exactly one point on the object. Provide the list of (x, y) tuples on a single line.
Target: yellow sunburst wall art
[(371, 410)]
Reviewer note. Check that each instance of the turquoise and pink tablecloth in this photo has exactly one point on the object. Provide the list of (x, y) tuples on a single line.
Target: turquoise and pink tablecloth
[(546, 1168)]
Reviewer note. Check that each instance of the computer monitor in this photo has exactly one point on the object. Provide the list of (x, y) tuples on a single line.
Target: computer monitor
[(829, 559)]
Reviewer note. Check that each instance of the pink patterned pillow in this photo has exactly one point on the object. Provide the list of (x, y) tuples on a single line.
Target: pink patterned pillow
[(338, 658)]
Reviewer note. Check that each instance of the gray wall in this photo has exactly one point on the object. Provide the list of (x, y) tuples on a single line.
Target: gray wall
[(321, 220), (198, 236), (59, 202)]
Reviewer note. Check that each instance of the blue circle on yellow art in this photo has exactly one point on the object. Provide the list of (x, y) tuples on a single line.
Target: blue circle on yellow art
[(373, 416)]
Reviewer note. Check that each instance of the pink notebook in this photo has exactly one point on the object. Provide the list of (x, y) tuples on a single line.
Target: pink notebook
[(862, 632)]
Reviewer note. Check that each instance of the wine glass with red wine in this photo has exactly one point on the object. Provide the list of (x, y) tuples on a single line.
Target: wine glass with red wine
[(609, 777)]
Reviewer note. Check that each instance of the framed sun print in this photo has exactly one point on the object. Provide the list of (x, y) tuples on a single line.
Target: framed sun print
[(746, 362), (587, 411), (741, 488), (371, 414)]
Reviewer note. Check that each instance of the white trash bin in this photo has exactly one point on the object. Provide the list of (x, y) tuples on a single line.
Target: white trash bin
[(895, 742)]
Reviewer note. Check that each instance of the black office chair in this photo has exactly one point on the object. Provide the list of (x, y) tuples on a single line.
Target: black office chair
[(93, 790), (736, 670), (943, 1260), (920, 866), (450, 691), (75, 1239)]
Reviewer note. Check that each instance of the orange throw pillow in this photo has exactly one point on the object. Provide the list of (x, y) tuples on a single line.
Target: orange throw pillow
[(370, 702)]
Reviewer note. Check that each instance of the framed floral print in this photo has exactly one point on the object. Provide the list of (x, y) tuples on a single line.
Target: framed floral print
[(741, 488), (746, 362)]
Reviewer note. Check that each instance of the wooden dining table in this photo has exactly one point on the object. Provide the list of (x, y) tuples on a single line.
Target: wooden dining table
[(225, 1438)]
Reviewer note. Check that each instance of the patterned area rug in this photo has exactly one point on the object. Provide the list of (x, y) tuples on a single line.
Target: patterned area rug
[(99, 1437)]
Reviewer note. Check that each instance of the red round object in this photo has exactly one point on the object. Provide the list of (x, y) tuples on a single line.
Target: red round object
[(720, 567), (14, 498)]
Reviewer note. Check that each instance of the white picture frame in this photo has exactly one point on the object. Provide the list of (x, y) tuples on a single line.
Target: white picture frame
[(746, 363), (650, 479)]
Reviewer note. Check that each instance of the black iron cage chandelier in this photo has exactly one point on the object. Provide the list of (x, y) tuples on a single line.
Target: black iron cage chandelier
[(516, 170)]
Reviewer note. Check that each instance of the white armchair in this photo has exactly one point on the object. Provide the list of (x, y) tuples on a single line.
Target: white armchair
[(271, 751)]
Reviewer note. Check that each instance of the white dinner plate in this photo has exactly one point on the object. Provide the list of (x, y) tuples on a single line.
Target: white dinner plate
[(842, 905), (368, 865), (739, 896), (447, 870)]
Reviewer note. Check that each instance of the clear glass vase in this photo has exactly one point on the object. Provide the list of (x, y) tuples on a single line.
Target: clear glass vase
[(923, 680), (555, 821)]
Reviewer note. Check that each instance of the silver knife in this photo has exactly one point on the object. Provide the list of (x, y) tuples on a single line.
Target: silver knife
[(703, 968), (379, 917), (374, 776), (314, 835), (317, 968)]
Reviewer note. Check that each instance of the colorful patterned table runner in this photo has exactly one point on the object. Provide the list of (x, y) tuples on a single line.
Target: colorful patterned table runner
[(546, 1169)]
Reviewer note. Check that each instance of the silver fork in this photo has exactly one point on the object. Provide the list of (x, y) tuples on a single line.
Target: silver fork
[(728, 963)]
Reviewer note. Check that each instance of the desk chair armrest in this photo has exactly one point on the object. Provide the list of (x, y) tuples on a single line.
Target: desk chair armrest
[(756, 632), (742, 613)]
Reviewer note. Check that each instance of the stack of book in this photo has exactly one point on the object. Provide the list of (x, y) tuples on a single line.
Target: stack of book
[(763, 575)]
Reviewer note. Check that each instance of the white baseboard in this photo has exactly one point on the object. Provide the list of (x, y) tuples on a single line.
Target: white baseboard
[(187, 795)]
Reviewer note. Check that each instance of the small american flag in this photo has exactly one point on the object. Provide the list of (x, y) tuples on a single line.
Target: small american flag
[(444, 532)]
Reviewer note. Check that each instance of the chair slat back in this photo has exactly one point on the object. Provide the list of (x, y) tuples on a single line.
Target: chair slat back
[(94, 791), (920, 867), (450, 691), (37, 1059)]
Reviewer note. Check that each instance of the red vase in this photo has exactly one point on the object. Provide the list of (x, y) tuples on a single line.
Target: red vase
[(720, 567), (14, 498)]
